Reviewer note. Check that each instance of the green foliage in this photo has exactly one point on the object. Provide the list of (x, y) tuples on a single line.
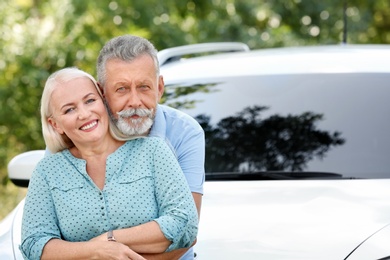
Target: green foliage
[(39, 37)]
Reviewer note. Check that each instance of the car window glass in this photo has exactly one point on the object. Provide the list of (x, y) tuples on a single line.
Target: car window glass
[(310, 122)]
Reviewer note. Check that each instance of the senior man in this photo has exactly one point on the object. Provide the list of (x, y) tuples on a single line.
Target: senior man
[(129, 74)]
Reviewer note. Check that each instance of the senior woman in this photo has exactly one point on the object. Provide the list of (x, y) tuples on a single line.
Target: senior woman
[(97, 197)]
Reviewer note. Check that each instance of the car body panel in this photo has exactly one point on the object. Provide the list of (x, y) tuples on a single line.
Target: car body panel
[(10, 234), (309, 219), (374, 247)]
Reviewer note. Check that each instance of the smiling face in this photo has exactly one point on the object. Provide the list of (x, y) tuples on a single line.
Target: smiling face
[(132, 91), (78, 111)]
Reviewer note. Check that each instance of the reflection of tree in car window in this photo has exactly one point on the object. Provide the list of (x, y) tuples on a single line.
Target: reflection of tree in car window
[(173, 95), (246, 143)]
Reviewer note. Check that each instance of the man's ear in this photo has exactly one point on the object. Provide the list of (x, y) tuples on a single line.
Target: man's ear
[(160, 87), (55, 126)]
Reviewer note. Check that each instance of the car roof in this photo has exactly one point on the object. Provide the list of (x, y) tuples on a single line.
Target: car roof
[(342, 58)]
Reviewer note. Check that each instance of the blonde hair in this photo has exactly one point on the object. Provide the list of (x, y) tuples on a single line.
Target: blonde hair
[(55, 141)]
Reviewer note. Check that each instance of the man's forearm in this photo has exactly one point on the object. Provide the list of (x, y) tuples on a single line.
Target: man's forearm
[(173, 255), (145, 238)]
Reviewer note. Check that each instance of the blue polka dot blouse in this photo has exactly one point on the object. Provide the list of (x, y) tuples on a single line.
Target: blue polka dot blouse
[(143, 183)]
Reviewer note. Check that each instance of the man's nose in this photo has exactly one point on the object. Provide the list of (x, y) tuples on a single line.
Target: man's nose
[(134, 100)]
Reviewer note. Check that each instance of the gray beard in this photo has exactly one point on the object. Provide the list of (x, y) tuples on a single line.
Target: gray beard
[(134, 127)]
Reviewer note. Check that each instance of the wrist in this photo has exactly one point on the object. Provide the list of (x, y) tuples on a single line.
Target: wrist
[(110, 236)]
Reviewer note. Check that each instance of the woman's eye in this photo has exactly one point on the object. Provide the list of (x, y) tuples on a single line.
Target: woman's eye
[(68, 110), (91, 100)]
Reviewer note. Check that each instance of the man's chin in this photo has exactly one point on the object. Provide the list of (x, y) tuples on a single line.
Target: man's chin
[(130, 128), (135, 132)]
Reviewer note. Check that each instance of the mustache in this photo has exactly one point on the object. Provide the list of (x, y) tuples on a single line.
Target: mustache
[(142, 112)]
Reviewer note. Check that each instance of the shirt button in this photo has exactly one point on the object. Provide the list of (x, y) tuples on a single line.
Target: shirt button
[(102, 207)]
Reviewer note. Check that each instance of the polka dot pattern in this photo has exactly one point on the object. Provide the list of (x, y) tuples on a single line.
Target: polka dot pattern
[(144, 182)]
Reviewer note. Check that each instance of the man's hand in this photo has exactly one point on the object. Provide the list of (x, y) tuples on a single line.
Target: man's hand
[(109, 250)]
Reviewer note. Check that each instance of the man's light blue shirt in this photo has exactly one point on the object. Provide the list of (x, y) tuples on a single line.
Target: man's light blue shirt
[(186, 138)]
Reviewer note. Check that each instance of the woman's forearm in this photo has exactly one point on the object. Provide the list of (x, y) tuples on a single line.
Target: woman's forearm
[(60, 249), (57, 249), (145, 238)]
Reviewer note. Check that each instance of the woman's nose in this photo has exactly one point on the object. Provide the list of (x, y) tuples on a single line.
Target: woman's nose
[(83, 112)]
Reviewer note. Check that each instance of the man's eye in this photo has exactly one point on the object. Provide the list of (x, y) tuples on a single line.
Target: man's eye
[(143, 87), (121, 89)]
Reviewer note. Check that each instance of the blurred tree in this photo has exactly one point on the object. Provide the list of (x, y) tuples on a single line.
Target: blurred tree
[(39, 37)]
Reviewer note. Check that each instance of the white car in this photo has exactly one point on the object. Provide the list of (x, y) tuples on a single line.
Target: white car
[(297, 150)]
